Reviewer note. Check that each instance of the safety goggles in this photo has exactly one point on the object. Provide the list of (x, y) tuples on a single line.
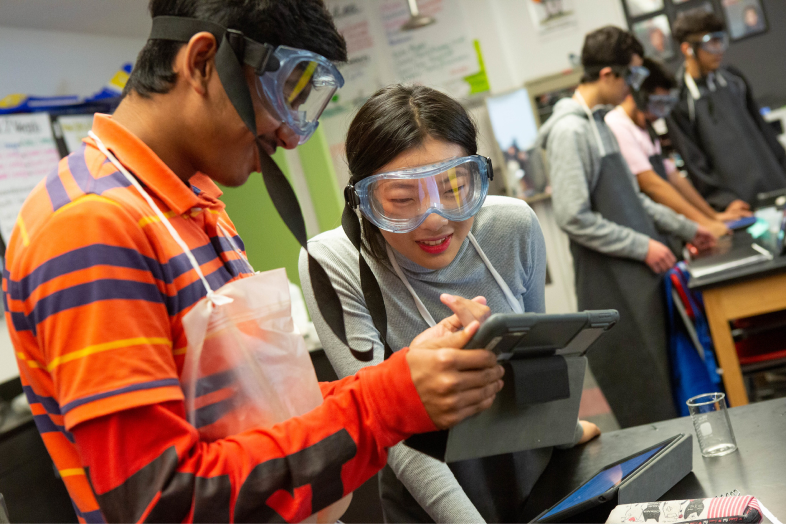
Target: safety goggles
[(635, 76), (300, 89), (296, 84), (661, 105), (714, 43), (399, 201)]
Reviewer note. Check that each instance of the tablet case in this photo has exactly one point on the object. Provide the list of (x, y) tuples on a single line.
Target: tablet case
[(537, 407)]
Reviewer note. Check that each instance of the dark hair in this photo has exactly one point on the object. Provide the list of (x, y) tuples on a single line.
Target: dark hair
[(305, 24), (659, 77), (397, 118), (695, 22), (607, 46)]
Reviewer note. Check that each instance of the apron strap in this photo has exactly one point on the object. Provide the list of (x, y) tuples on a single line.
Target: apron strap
[(593, 124), (512, 302), (215, 299), (419, 303)]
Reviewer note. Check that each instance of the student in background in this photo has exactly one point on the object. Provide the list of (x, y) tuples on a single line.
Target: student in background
[(730, 152), (658, 178), (614, 229)]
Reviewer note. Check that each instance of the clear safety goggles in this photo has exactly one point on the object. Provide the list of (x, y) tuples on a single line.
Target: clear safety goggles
[(300, 89), (661, 105), (297, 84), (714, 43), (399, 201), (635, 76)]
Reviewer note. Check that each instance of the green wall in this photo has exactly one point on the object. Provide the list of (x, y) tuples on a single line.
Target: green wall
[(269, 244)]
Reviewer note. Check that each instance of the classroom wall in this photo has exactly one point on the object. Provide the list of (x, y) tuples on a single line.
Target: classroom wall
[(48, 63), (761, 57)]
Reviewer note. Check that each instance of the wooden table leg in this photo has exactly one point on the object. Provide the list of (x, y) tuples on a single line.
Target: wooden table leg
[(724, 348)]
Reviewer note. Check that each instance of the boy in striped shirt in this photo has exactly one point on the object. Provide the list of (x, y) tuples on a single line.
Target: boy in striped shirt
[(95, 289)]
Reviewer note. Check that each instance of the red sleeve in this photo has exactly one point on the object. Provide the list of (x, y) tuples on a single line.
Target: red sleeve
[(148, 463)]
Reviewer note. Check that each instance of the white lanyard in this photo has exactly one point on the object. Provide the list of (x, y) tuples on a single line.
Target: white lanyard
[(514, 304), (215, 299), (592, 122), (695, 94)]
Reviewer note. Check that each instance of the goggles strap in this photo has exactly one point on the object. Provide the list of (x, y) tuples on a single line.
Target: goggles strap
[(230, 71), (372, 293)]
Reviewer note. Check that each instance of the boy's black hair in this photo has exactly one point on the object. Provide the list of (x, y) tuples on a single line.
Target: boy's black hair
[(694, 23), (659, 77), (304, 24), (605, 47)]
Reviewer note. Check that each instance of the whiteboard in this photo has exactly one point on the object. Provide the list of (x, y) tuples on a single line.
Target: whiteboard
[(28, 153)]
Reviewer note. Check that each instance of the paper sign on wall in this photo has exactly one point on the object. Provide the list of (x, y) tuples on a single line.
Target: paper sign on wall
[(360, 72), (438, 55), (74, 128), (28, 153)]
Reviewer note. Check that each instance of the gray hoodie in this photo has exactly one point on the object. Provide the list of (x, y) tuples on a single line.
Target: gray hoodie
[(573, 160)]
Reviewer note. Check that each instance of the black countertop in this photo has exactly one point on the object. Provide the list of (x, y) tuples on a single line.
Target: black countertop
[(738, 240), (757, 468)]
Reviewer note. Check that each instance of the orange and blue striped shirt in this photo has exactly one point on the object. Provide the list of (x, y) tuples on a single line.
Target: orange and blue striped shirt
[(95, 289)]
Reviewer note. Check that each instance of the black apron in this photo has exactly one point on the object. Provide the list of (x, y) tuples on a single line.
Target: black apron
[(630, 362), (659, 166), (497, 486), (742, 161)]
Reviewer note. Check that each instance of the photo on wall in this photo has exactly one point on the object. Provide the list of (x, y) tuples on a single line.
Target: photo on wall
[(516, 130), (643, 7), (551, 15), (744, 18), (655, 35)]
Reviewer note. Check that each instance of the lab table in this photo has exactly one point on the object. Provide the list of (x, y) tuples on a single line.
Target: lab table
[(757, 468), (738, 293)]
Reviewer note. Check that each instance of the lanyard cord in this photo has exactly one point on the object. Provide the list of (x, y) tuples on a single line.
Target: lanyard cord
[(235, 247), (215, 299), (514, 304), (593, 124)]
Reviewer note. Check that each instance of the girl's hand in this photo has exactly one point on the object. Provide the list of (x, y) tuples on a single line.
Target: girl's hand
[(464, 313), (590, 431)]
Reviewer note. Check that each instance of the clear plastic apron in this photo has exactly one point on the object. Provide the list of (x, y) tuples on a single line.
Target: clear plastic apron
[(245, 366), (514, 304)]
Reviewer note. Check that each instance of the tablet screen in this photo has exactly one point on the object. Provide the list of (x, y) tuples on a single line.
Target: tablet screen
[(604, 481)]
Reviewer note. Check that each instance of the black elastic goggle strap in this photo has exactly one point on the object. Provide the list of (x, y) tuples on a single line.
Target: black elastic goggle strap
[(372, 293), (233, 46), (178, 29)]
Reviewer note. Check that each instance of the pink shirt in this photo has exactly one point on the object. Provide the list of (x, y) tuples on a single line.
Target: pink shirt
[(635, 143)]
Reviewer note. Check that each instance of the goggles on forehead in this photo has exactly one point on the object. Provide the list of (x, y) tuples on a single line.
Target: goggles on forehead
[(714, 43), (399, 201), (296, 84)]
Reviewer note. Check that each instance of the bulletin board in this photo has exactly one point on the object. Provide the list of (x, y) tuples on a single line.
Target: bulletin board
[(31, 145)]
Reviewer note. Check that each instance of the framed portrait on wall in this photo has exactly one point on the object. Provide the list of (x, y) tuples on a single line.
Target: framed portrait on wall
[(655, 35), (744, 18), (643, 7)]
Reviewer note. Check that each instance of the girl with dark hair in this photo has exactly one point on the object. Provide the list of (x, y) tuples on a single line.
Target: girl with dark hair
[(428, 235)]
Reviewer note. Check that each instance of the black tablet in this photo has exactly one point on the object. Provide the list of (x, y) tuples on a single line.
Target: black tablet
[(522, 335), (603, 486)]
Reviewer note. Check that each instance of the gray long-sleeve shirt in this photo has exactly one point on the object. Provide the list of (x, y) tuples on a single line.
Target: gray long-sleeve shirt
[(510, 235), (574, 168)]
